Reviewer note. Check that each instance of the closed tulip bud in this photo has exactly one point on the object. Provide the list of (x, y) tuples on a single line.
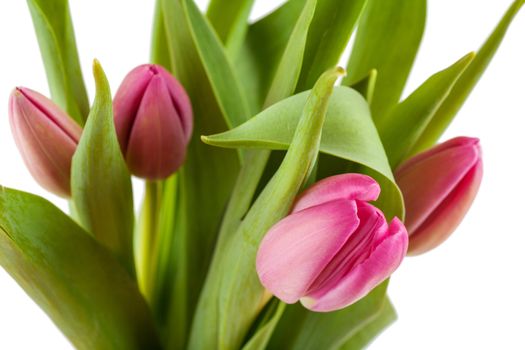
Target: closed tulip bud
[(46, 137), (439, 186), (153, 120), (333, 248)]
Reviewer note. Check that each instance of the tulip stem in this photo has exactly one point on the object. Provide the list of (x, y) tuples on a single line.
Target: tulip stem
[(147, 236)]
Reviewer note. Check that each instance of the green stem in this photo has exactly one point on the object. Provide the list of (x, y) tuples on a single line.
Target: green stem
[(147, 235)]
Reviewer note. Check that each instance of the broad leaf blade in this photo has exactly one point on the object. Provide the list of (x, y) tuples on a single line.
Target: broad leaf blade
[(387, 39), (230, 20), (404, 126), (218, 67), (348, 133), (329, 33), (100, 181), (300, 329), (466, 82), (223, 318), (363, 338), (56, 38), (76, 281), (263, 49)]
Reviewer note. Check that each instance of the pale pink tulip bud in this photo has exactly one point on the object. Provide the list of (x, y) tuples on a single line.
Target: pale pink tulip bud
[(46, 137), (153, 119), (333, 248), (439, 186)]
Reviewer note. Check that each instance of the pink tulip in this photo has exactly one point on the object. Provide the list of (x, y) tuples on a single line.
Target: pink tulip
[(439, 186), (333, 248), (46, 137), (153, 119)]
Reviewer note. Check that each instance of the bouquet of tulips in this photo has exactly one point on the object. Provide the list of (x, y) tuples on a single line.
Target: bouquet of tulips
[(281, 191)]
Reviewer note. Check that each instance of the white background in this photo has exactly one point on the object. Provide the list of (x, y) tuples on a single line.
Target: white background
[(467, 294)]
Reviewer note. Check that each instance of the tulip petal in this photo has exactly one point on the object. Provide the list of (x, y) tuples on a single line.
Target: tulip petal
[(444, 220), (180, 100), (423, 196), (381, 263), (127, 101), (297, 249), (54, 113), (157, 145), (46, 149), (344, 186)]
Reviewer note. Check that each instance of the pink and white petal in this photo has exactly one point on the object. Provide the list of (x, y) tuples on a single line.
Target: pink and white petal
[(447, 217), (156, 146), (459, 141), (344, 186), (382, 262), (297, 249), (428, 182), (53, 112)]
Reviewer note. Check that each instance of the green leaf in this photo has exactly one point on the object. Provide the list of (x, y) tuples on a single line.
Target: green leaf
[(349, 133), (366, 85), (100, 181), (300, 329), (223, 317), (403, 127), (56, 38), (387, 39), (466, 82), (160, 53), (200, 199), (218, 68), (230, 20), (260, 339), (372, 329), (263, 49), (287, 73), (76, 281), (329, 33)]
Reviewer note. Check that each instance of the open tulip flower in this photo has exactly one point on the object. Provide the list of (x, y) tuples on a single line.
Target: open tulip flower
[(439, 186), (333, 248)]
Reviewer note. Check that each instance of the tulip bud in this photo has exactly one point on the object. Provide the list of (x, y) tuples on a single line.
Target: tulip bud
[(333, 248), (153, 120), (439, 186), (46, 137)]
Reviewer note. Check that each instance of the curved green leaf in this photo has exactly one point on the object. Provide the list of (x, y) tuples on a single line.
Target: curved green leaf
[(387, 39), (259, 341), (230, 20), (371, 330), (329, 33), (56, 38), (365, 86), (349, 133), (403, 127), (218, 68), (466, 82), (300, 329), (76, 281), (100, 181), (263, 48), (223, 318)]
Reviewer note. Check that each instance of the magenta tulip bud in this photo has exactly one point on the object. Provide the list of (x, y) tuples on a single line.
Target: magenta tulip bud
[(333, 248), (439, 186), (46, 137), (153, 119)]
